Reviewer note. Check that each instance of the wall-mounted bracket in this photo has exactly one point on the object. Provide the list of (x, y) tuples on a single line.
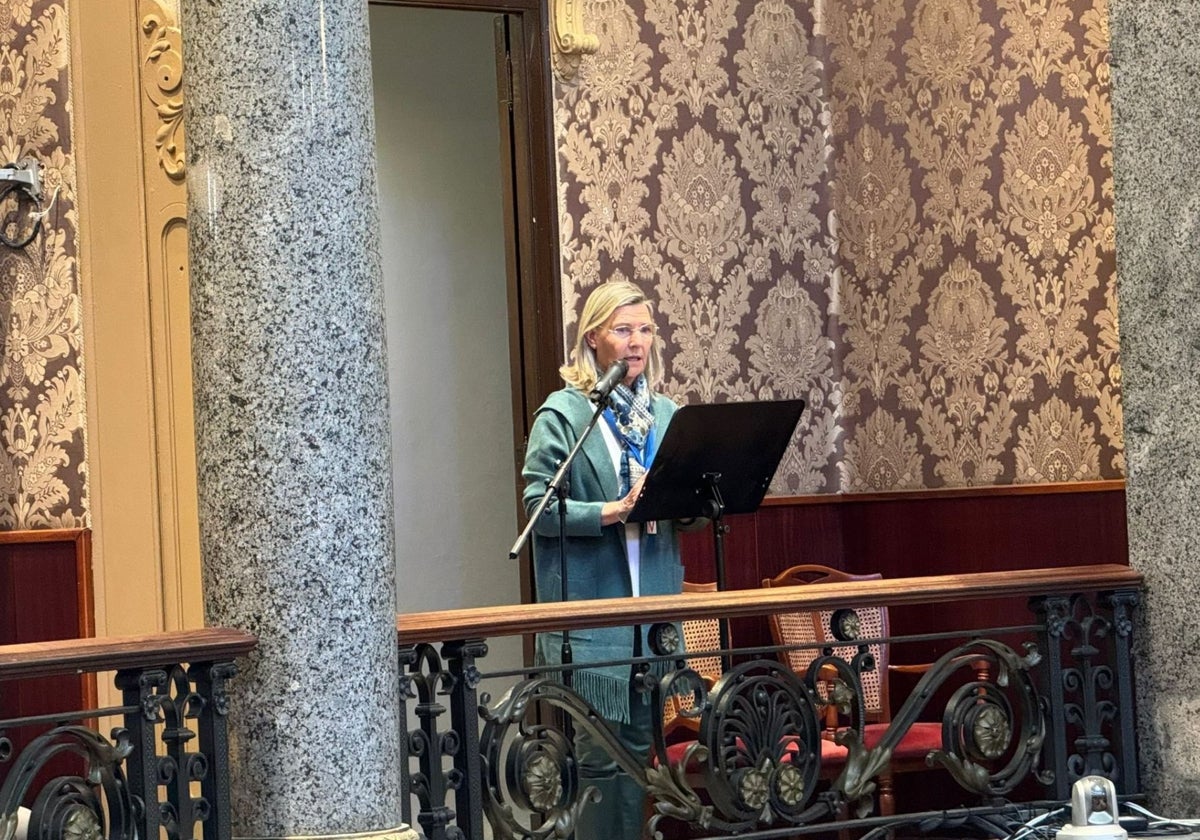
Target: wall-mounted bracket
[(21, 202), (27, 175)]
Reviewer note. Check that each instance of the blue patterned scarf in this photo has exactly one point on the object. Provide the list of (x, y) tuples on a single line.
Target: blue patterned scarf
[(631, 420)]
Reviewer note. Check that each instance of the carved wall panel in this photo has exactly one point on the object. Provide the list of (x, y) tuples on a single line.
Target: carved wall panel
[(169, 296)]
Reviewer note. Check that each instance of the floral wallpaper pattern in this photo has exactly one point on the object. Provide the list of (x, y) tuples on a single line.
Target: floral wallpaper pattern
[(898, 210), (43, 476)]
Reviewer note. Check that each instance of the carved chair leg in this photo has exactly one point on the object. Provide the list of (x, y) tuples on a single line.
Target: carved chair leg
[(887, 799)]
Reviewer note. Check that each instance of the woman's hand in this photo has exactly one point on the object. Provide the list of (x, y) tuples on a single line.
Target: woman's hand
[(619, 511)]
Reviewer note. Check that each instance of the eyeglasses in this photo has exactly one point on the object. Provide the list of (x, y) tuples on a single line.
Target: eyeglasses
[(625, 332)]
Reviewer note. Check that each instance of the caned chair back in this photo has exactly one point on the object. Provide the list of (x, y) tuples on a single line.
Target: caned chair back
[(816, 628), (703, 634), (698, 634)]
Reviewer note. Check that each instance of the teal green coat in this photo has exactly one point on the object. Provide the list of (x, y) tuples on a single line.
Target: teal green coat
[(597, 565)]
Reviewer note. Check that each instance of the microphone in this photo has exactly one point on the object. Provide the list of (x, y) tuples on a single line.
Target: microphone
[(611, 379)]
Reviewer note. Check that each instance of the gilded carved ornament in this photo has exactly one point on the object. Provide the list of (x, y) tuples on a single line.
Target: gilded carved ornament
[(162, 80), (568, 42)]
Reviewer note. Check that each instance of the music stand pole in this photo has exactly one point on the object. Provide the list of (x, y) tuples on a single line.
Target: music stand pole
[(715, 508)]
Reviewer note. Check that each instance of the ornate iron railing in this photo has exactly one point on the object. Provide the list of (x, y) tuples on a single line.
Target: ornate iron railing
[(1024, 710), (162, 773)]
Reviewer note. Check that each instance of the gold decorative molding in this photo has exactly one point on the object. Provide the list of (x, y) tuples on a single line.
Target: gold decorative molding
[(162, 80), (568, 42), (164, 171)]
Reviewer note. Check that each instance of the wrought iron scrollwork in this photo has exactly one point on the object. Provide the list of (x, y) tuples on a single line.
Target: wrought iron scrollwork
[(122, 787), (95, 804), (426, 680), (989, 743), (531, 776), (756, 759), (758, 754), (762, 734), (179, 768), (1090, 686), (184, 709)]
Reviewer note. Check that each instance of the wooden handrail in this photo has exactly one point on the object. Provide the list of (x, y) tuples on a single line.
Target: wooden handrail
[(494, 622), (73, 656)]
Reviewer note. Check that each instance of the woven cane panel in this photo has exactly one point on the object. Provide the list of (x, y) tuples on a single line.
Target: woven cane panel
[(870, 623), (703, 635), (797, 629)]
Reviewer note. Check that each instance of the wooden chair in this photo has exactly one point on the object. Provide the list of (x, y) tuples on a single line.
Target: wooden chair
[(698, 634), (681, 730), (815, 628)]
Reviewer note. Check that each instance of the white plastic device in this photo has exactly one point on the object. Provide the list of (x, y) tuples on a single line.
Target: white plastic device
[(1093, 812)]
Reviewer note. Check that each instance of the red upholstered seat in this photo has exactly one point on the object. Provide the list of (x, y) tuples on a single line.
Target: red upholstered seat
[(917, 743), (831, 753)]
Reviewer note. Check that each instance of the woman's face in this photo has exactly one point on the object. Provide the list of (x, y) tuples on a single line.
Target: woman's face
[(628, 335)]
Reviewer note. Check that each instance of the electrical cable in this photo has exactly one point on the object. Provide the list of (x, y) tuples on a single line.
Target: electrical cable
[(1161, 826), (1029, 827), (39, 215)]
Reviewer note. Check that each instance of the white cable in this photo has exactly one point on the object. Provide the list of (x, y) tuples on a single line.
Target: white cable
[(41, 214), (1028, 826), (1145, 812)]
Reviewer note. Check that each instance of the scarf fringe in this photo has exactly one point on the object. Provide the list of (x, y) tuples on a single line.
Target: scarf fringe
[(607, 693), (609, 690)]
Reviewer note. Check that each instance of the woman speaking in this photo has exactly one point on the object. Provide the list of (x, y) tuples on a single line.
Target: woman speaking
[(605, 556)]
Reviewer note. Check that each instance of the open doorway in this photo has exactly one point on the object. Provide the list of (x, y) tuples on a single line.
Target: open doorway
[(471, 291)]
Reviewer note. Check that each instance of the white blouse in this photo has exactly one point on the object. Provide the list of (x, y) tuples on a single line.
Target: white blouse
[(633, 531)]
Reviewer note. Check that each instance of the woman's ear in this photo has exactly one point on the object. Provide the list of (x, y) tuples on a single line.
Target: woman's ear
[(591, 339)]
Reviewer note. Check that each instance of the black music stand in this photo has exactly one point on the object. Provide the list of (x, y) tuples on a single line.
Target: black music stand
[(717, 459)]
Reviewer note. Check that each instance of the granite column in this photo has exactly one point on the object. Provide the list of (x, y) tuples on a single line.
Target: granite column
[(1155, 47), (291, 408)]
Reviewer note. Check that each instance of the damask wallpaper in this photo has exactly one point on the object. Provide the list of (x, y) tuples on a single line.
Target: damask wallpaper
[(899, 210), (42, 461)]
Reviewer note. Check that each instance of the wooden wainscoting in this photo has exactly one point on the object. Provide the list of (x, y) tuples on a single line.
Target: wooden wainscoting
[(46, 595), (914, 533)]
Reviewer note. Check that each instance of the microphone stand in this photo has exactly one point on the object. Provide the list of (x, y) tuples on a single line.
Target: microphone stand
[(558, 486)]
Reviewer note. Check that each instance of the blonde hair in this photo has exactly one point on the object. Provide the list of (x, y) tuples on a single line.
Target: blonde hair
[(605, 299)]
